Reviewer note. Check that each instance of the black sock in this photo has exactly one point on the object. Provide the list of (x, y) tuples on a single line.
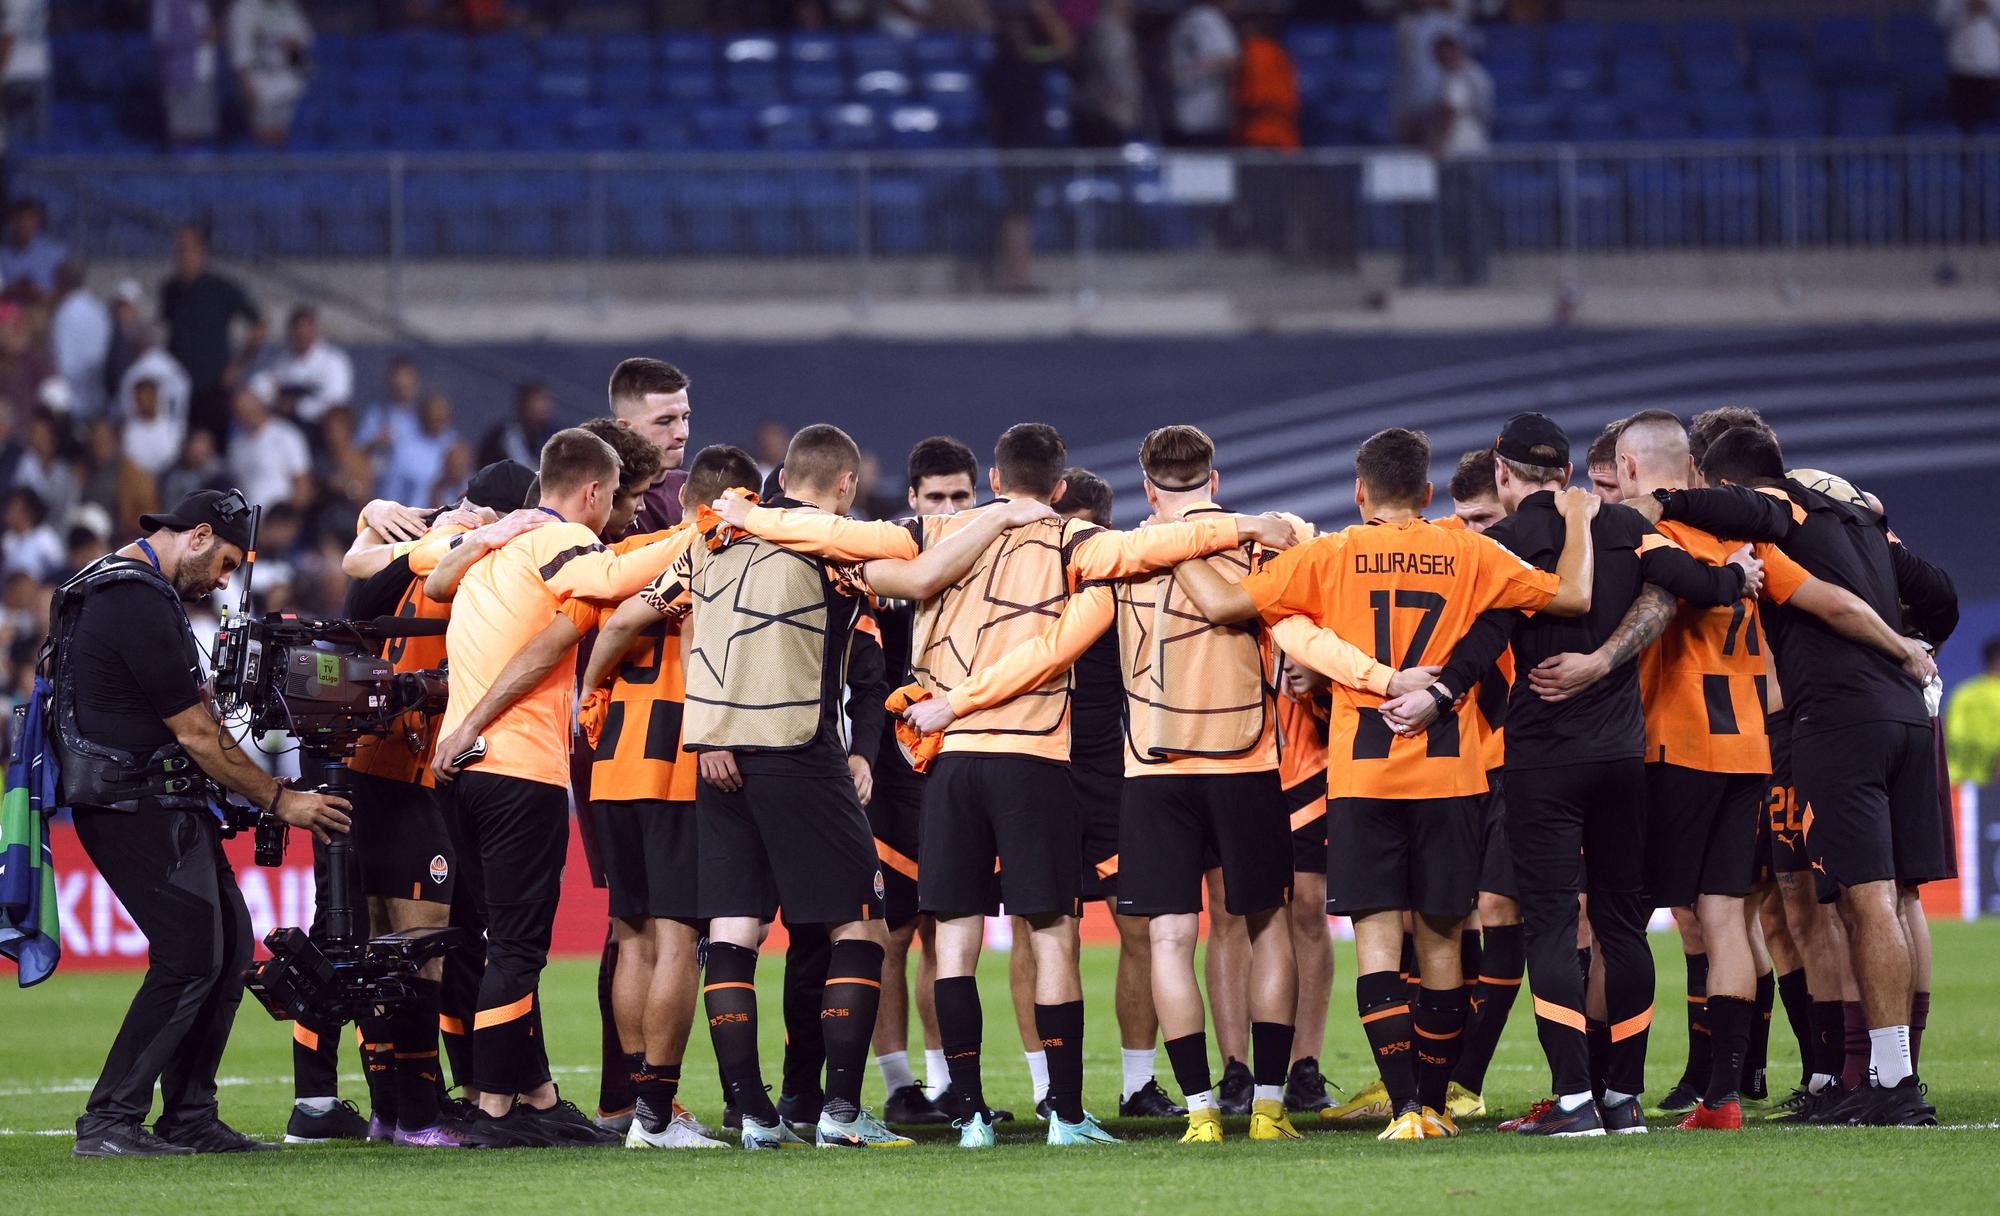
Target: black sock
[(1440, 1027), (378, 1064), (419, 1080), (806, 961), (1597, 1038), (656, 1086), (1583, 966), (1920, 1017), (1798, 1013), (1829, 1045), (1759, 1055), (1471, 957), (1188, 1056), (730, 998), (1729, 1020), (1382, 997), (1701, 1053), (1270, 1052), (1408, 967), (614, 1078), (848, 1001), (458, 1000), (1061, 1028), (1503, 960), (635, 1069), (315, 1060), (960, 1027)]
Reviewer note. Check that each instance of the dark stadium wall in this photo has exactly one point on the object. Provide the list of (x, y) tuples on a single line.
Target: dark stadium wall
[(1909, 413)]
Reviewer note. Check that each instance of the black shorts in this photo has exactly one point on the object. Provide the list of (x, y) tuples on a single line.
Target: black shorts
[(895, 819), (1416, 854), (400, 843), (1701, 833), (1496, 863), (517, 834), (1099, 793), (1309, 837), (652, 858), (1017, 810), (1869, 792), (1169, 823), (1947, 818), (1782, 809), (800, 840)]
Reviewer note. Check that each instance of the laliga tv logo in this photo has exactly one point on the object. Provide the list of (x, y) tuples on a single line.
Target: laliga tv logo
[(881, 888), (440, 869)]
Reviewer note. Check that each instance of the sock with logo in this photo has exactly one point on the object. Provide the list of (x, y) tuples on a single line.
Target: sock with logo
[(729, 996), (1889, 1054), (657, 1086), (808, 957), (1829, 1049), (1471, 957), (852, 992), (1798, 1014), (1729, 1024), (1701, 1054), (1061, 1028), (1440, 1027), (1503, 960), (418, 1078), (960, 1027), (1920, 1016), (1188, 1056), (378, 1064), (1755, 1060), (1383, 1000)]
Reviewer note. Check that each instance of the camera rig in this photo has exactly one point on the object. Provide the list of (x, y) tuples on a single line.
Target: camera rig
[(321, 682)]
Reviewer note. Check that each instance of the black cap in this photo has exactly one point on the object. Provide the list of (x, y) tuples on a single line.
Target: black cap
[(226, 512), (1525, 433), (501, 486)]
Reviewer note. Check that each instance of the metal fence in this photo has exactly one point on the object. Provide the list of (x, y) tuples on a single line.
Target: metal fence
[(1315, 213)]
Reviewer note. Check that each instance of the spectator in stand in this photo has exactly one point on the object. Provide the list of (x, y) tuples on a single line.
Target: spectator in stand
[(184, 46), (393, 417), (200, 468), (45, 467), (268, 456), (29, 256), (1418, 26), (24, 70), (89, 539), (24, 362), (1972, 48), (201, 309), (452, 476), (908, 18), (1267, 90), (157, 364), (1455, 133), (520, 439), (270, 48), (769, 445), (11, 449), (1028, 43), (113, 481), (1972, 723), (153, 438), (348, 471), (1202, 58), (79, 340), (1110, 104), (29, 545), (128, 334), (309, 372), (418, 456)]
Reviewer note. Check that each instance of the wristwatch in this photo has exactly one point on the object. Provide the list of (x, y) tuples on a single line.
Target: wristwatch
[(1443, 698)]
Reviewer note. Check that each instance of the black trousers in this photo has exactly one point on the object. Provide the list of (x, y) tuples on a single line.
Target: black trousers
[(167, 868), (1583, 828)]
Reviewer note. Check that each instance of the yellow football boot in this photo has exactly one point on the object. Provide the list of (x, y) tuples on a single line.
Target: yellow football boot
[(1407, 1126), (1268, 1121), (1462, 1103), (1205, 1127), (1370, 1103), (1438, 1125)]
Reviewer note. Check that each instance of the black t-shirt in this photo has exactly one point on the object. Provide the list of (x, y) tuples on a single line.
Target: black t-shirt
[(135, 665), (381, 593), (198, 312), (1097, 708), (1606, 721), (1829, 681), (897, 619)]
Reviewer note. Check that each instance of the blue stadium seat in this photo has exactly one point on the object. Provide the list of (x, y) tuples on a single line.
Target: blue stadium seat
[(596, 128), (1574, 71), (688, 82), (380, 51), (1766, 34), (963, 118), (1796, 115), (412, 128), (899, 209), (1599, 214), (1649, 36), (1512, 77), (723, 127), (708, 213), (1367, 79), (1864, 113), (1653, 124), (376, 82), (752, 82), (1373, 43), (882, 85), (1936, 202), (1595, 120), (1728, 115), (1782, 70), (507, 52), (1525, 120), (1639, 75), (815, 49), (439, 50), (472, 128), (828, 203), (503, 84), (875, 53), (816, 81), (1706, 39), (754, 48), (625, 49), (1311, 42), (435, 85), (687, 51), (787, 129), (1713, 73), (568, 84), (1575, 40), (657, 128), (623, 83), (852, 126), (944, 83), (769, 204), (915, 127), (1511, 43), (571, 52), (941, 50), (1841, 44)]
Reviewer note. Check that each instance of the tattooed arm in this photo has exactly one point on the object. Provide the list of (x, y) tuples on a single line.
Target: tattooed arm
[(1565, 675)]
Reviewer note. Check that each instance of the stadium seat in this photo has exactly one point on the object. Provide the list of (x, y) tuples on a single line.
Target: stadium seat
[(752, 82), (1311, 42), (723, 127), (1595, 121), (1728, 115), (1713, 73), (688, 82), (596, 128), (1525, 198), (439, 50), (657, 128), (1936, 204), (627, 83), (882, 85), (815, 81), (508, 52), (1864, 113), (897, 207), (950, 83), (1525, 121), (941, 50), (1652, 124), (564, 85), (1841, 44), (1645, 36), (1511, 43), (787, 128), (687, 51), (1575, 40), (851, 126), (1798, 116), (814, 49), (1706, 39), (436, 85), (570, 52), (1640, 75), (875, 53), (1730, 195), (915, 127), (1599, 207), (828, 204), (1781, 71), (754, 49), (1764, 35), (624, 49), (1373, 43), (538, 127), (1511, 78), (503, 85)]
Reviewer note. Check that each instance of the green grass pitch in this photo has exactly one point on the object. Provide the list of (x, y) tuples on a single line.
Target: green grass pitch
[(52, 1041)]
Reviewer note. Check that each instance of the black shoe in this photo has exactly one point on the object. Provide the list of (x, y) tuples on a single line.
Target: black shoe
[(341, 1122), (1679, 1100), (1755, 1088), (564, 1124), (1900, 1105), (1305, 1088), (132, 1140), (1044, 1109), (909, 1105), (1237, 1089), (1835, 1106), (1583, 1121), (515, 1129), (1790, 1109), (1149, 1101), (211, 1135), (801, 1110), (732, 1119), (947, 1101), (1622, 1118)]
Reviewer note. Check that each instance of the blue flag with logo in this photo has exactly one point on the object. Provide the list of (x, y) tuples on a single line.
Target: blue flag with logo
[(29, 932)]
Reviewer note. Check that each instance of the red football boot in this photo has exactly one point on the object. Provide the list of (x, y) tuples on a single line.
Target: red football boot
[(1705, 1118)]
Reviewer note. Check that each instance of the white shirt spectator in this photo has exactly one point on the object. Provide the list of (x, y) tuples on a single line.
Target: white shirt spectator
[(266, 463), (37, 553), (1465, 102), (414, 463), (154, 444), (1202, 92), (267, 41), (1972, 36), (80, 338), (322, 376), (166, 371), (1417, 71), (27, 23)]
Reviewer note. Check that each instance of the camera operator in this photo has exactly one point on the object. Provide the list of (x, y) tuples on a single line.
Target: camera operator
[(132, 721)]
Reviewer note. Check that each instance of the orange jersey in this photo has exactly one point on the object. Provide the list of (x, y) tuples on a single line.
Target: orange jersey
[(1405, 593), (639, 754), (1703, 682), (505, 600)]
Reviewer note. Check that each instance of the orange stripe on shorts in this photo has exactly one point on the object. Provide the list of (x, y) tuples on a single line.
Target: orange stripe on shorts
[(504, 1014)]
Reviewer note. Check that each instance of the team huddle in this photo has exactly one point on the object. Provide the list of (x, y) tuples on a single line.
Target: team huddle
[(1496, 736)]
